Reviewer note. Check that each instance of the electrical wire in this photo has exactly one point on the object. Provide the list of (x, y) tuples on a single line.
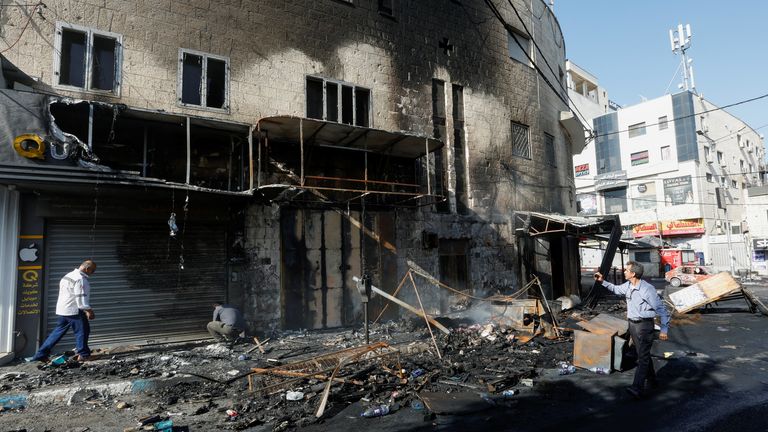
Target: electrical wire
[(742, 102), (693, 176), (572, 104), (24, 29)]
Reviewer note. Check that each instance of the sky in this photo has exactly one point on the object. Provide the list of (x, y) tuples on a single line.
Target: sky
[(625, 44)]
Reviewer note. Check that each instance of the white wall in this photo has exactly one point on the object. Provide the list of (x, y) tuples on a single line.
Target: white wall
[(9, 241)]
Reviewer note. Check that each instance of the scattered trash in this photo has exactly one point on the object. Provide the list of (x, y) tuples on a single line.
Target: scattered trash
[(509, 393), (376, 411), (566, 368), (243, 357), (233, 372), (231, 415), (417, 405), (13, 402), (668, 354), (122, 405), (59, 360), (150, 419), (599, 370), (417, 373), (12, 375), (528, 382), (164, 425), (294, 396)]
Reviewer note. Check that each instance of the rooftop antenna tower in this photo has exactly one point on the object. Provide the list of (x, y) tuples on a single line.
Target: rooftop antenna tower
[(680, 41)]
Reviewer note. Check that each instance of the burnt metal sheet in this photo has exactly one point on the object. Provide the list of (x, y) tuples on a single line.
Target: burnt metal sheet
[(139, 292), (320, 132), (605, 324), (592, 350)]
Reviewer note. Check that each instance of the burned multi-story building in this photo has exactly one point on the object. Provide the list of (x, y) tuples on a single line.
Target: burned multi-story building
[(266, 152)]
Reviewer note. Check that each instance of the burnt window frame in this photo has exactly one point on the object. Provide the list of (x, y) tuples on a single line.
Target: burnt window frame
[(518, 150), (90, 33), (387, 8), (204, 74), (340, 86)]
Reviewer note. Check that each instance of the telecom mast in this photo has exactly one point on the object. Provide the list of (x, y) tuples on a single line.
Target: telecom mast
[(680, 41)]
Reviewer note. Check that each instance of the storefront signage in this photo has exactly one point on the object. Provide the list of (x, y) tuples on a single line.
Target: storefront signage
[(29, 303), (678, 190), (759, 244), (611, 180), (582, 170), (670, 228)]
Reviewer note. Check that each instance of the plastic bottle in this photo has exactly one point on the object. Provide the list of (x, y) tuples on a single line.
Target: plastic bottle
[(567, 369), (417, 373), (599, 370), (507, 394), (376, 411)]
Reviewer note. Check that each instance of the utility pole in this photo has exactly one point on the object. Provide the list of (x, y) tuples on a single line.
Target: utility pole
[(680, 41)]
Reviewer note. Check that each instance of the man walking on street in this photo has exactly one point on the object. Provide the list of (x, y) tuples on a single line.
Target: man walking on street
[(643, 304), (74, 310), (227, 323)]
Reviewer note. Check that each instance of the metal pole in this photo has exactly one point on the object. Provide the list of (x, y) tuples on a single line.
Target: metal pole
[(301, 143), (250, 157), (189, 151)]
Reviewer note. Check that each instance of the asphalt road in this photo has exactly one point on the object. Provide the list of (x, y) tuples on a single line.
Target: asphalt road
[(715, 380)]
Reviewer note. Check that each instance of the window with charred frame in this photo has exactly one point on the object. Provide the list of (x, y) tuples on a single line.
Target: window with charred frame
[(439, 132), (549, 148), (387, 7), (157, 147), (338, 102), (521, 142), (87, 59), (203, 80), (459, 150)]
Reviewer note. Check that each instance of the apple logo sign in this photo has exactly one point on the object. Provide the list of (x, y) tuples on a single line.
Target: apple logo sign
[(29, 253)]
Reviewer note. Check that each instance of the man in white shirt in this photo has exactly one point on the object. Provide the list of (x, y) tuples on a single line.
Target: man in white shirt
[(74, 310)]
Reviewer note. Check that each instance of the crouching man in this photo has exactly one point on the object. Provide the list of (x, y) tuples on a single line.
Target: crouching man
[(227, 323)]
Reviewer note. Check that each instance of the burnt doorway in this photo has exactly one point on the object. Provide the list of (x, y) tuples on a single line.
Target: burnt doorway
[(321, 252), (454, 269)]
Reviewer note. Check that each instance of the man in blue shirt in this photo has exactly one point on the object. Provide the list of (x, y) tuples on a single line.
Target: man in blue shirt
[(643, 304), (227, 324)]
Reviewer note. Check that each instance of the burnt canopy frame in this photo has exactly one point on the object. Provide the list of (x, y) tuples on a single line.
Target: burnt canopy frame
[(312, 134)]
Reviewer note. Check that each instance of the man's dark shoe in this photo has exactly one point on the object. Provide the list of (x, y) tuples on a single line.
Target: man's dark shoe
[(635, 393)]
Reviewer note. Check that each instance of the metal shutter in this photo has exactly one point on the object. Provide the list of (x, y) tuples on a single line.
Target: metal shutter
[(139, 293)]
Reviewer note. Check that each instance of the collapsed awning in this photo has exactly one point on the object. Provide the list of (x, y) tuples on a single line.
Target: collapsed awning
[(537, 224), (339, 135)]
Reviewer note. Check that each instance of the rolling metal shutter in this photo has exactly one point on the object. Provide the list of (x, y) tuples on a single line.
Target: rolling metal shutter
[(139, 292)]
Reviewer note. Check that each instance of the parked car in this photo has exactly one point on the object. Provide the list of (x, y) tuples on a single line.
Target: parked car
[(688, 275)]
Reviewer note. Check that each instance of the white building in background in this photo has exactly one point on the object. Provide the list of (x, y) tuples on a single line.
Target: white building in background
[(677, 167), (757, 224)]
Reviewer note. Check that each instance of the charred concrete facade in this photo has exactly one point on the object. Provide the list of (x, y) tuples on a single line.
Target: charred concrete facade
[(443, 70)]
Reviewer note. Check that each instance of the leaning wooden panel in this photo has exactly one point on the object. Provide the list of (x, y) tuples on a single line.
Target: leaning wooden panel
[(605, 324), (704, 292), (592, 350)]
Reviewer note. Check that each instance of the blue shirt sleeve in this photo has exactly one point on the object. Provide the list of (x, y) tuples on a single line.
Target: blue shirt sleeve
[(616, 289), (653, 299)]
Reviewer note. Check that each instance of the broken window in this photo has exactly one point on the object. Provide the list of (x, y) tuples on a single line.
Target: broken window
[(439, 132), (386, 7), (203, 80), (521, 143), (338, 102), (87, 59), (459, 150), (519, 48), (549, 148)]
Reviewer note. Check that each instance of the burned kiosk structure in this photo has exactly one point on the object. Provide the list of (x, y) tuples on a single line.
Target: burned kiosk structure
[(198, 157)]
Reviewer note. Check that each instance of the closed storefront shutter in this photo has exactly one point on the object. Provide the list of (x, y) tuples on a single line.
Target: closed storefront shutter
[(149, 287)]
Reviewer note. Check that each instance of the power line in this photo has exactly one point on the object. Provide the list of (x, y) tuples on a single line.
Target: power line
[(511, 29), (664, 178), (29, 20), (598, 133), (543, 57)]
